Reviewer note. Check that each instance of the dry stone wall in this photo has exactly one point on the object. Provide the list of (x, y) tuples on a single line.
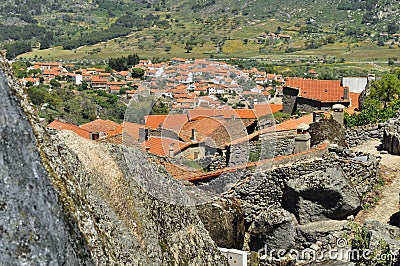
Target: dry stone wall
[(359, 135)]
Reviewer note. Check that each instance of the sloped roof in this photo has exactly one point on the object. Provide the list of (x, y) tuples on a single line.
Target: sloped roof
[(215, 132), (355, 104), (321, 90), (100, 125), (237, 113), (127, 133), (131, 129), (171, 121), (266, 109), (291, 124), (204, 127), (56, 124), (160, 146)]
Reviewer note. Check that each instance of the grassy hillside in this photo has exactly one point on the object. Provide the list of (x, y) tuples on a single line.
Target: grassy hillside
[(344, 29)]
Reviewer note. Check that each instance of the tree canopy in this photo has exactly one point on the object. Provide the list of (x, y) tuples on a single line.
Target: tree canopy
[(381, 103)]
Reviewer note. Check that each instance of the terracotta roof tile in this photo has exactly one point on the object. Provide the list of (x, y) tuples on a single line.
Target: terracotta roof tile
[(322, 90), (266, 109), (168, 121), (237, 113), (100, 125), (56, 124), (160, 146)]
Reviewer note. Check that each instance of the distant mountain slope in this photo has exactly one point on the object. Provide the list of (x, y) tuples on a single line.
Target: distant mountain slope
[(72, 23)]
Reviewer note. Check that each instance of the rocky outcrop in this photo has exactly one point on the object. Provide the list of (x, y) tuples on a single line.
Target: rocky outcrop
[(327, 129), (34, 227), (272, 229), (378, 232), (391, 140), (224, 221), (321, 195), (89, 206)]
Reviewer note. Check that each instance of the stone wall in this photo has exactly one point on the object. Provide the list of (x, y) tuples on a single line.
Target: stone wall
[(289, 100), (283, 141), (267, 210), (265, 187), (359, 135)]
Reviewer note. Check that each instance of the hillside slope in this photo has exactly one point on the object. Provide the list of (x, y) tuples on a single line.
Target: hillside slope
[(202, 26)]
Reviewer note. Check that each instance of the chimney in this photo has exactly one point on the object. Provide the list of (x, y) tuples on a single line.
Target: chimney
[(338, 113), (143, 134), (171, 150), (346, 93), (194, 135), (317, 115), (302, 140)]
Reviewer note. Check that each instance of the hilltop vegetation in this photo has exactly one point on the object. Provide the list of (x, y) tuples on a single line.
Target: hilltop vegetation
[(202, 28)]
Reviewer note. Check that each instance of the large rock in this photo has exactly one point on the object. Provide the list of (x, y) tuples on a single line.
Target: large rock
[(391, 140), (379, 232), (272, 229), (223, 219), (321, 195), (327, 129), (91, 206), (320, 231), (34, 228)]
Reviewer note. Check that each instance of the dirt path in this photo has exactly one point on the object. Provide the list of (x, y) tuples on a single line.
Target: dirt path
[(388, 203)]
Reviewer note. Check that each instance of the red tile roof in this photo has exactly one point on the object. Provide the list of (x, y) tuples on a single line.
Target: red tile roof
[(355, 105), (56, 124), (160, 146), (237, 113), (171, 121), (321, 90), (127, 133), (204, 127), (131, 129), (100, 125), (291, 124), (266, 109)]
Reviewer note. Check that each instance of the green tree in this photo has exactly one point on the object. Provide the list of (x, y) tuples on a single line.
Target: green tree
[(159, 108), (37, 94), (385, 89), (137, 72)]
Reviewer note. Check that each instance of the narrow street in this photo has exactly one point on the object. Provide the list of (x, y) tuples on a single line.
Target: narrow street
[(388, 203)]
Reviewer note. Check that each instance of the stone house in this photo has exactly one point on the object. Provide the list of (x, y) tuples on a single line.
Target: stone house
[(307, 95)]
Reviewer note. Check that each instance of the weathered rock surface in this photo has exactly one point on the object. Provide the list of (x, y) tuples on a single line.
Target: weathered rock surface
[(319, 231), (391, 140), (106, 218), (223, 219), (321, 195), (388, 233), (34, 228), (327, 129), (272, 229)]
